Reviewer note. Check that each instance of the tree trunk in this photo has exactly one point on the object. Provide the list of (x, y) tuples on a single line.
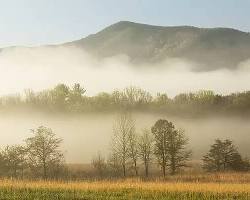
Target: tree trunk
[(164, 166), (124, 170), (173, 167), (135, 166), (44, 171), (146, 169), (15, 172), (164, 170)]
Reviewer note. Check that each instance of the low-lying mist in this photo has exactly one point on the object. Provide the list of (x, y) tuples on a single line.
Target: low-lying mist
[(44, 67), (85, 135)]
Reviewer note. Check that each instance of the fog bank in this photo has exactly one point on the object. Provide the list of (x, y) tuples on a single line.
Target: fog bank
[(44, 67), (85, 135)]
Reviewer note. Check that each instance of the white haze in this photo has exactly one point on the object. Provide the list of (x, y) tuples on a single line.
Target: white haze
[(44, 67), (83, 138)]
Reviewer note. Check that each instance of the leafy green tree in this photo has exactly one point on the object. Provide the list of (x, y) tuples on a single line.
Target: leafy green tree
[(59, 96), (75, 97), (44, 152), (184, 98), (170, 146), (177, 150), (2, 165), (14, 160), (162, 99), (103, 101), (204, 97), (224, 156)]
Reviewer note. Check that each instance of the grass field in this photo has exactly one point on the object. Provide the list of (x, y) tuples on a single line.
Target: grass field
[(130, 189)]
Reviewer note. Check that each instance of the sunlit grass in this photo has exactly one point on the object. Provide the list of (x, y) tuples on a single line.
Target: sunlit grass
[(122, 189)]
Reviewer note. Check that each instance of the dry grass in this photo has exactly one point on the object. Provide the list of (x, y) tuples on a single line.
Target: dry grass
[(225, 186), (134, 184), (230, 177)]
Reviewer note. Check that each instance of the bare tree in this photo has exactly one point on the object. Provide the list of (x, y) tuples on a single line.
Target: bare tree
[(99, 164), (136, 96), (114, 164), (133, 149), (123, 127), (43, 150), (146, 149)]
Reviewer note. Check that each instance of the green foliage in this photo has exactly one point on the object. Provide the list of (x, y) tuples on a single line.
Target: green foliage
[(170, 146), (40, 157), (63, 98), (44, 154), (14, 161), (223, 156)]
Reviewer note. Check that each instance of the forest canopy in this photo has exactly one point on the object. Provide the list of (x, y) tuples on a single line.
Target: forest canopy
[(63, 98)]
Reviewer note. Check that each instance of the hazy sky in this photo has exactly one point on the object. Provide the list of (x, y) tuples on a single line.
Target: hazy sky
[(36, 22)]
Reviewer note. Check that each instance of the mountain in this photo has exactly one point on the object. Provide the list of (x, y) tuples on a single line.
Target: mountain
[(210, 48)]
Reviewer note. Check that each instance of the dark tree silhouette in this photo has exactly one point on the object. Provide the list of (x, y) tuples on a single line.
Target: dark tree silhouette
[(170, 146), (223, 156)]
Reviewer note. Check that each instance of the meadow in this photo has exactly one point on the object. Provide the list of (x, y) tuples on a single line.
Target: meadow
[(211, 186)]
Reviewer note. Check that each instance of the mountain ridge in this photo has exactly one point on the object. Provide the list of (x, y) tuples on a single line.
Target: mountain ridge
[(208, 48)]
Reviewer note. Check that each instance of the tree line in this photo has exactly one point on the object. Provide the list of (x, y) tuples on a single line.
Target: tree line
[(131, 154), (63, 98), (163, 145), (163, 142), (39, 157)]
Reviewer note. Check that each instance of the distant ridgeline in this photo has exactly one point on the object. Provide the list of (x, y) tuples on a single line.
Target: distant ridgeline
[(63, 98)]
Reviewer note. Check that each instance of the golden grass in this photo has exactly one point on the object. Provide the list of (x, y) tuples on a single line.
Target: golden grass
[(216, 186), (229, 177), (131, 184)]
